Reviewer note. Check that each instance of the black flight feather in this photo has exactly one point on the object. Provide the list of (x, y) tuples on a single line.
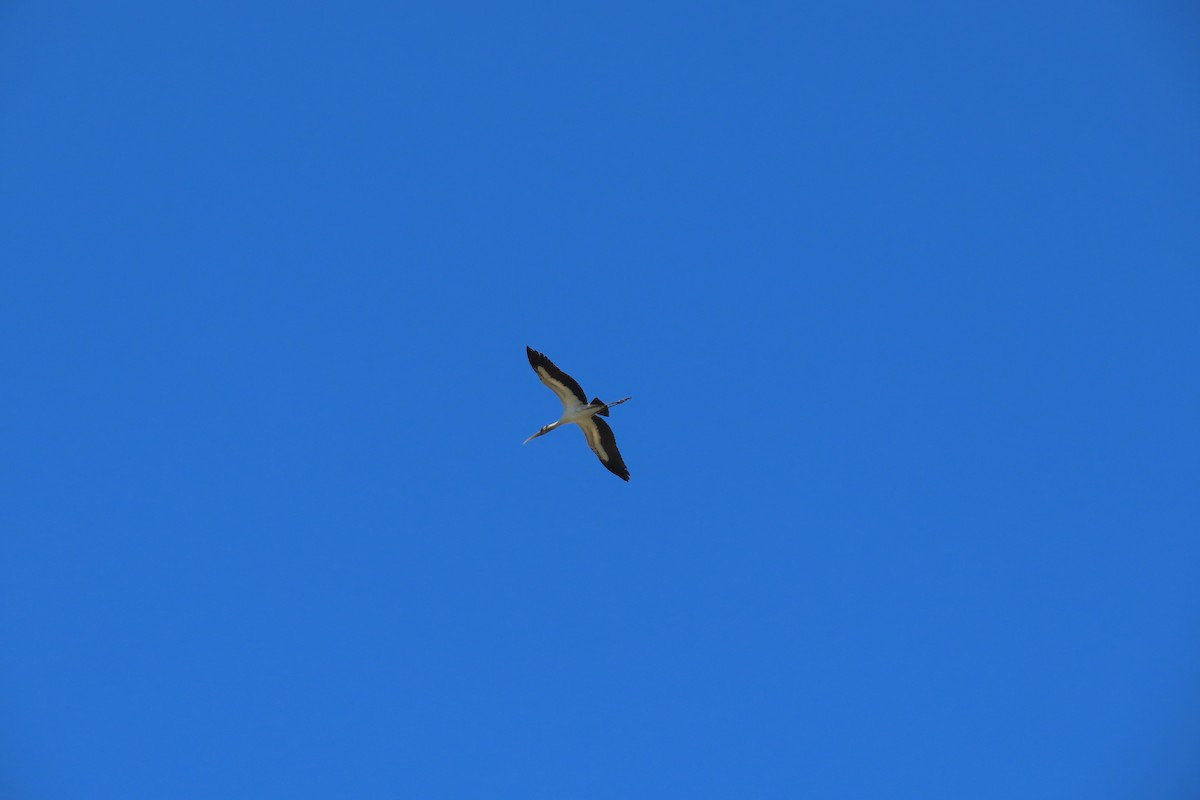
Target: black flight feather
[(537, 359)]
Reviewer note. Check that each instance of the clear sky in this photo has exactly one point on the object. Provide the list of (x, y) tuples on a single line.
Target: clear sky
[(906, 296)]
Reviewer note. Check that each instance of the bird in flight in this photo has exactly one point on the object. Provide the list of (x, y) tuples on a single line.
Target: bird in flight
[(578, 410)]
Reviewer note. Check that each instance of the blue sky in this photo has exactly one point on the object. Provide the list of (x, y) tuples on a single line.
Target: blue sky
[(905, 295)]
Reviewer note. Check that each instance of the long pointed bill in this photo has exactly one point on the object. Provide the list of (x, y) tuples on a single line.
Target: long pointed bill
[(542, 432)]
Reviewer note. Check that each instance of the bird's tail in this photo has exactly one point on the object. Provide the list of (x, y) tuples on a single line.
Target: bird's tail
[(604, 407)]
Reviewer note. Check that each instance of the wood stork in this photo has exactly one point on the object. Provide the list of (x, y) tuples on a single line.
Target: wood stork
[(577, 409)]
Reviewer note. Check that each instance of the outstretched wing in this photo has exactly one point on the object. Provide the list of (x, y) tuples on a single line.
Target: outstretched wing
[(600, 438), (559, 382)]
